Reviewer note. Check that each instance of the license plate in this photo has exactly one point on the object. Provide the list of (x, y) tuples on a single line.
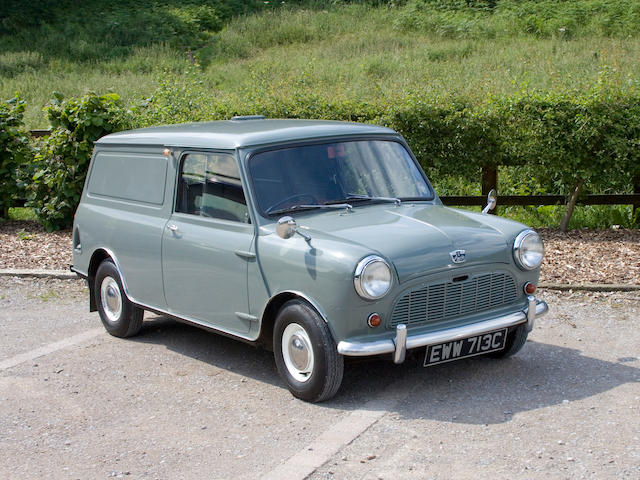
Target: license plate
[(467, 347)]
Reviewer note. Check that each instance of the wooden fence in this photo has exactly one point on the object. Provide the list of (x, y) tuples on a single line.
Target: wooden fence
[(590, 199), (490, 181)]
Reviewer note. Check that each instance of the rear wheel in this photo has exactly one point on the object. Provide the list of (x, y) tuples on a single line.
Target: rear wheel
[(305, 353), (515, 341), (120, 317)]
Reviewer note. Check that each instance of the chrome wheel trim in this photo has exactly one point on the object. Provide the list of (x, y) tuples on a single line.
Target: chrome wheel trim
[(297, 352), (111, 299)]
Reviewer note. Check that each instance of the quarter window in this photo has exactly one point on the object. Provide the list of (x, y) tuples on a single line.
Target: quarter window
[(210, 186)]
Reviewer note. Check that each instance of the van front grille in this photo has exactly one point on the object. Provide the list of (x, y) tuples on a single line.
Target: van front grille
[(443, 301)]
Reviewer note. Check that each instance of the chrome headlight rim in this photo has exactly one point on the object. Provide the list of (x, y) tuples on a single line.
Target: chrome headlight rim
[(358, 276), (518, 250)]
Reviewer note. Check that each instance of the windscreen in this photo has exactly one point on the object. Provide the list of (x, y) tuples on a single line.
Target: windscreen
[(335, 172)]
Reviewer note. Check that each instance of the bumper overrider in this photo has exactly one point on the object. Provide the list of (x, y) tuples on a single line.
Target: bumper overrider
[(403, 342)]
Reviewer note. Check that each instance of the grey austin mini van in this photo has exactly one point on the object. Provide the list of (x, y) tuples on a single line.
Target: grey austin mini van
[(316, 239)]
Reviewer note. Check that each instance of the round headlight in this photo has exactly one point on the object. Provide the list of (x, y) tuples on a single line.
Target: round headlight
[(528, 250), (372, 277)]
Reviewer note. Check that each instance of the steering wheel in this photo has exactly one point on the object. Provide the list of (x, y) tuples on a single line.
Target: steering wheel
[(291, 198)]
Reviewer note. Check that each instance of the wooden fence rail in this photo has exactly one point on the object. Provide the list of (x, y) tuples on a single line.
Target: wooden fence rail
[(591, 199)]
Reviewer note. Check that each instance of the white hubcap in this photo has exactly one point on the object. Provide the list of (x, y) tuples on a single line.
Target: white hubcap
[(111, 299), (297, 352)]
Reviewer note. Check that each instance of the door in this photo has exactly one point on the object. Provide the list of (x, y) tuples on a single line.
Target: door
[(206, 245)]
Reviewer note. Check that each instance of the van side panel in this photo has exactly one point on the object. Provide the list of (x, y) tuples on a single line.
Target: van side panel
[(137, 177), (124, 209)]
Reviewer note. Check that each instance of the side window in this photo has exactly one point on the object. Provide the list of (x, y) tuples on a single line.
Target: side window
[(210, 186)]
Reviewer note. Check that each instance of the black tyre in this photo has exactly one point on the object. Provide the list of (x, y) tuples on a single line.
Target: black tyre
[(515, 341), (306, 354), (120, 317)]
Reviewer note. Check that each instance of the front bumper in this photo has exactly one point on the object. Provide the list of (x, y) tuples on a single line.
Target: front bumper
[(403, 342)]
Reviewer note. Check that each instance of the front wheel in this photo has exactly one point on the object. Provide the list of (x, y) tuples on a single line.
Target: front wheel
[(305, 353), (120, 317)]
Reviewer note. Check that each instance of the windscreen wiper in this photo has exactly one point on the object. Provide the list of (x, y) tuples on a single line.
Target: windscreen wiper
[(355, 197), (297, 208)]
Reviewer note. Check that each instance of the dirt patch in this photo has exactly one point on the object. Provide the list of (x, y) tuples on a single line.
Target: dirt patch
[(577, 257), (25, 244), (591, 256)]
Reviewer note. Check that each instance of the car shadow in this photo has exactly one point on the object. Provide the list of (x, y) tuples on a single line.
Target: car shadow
[(478, 390)]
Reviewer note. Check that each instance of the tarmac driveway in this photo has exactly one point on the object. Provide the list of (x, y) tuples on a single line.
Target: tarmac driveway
[(179, 402)]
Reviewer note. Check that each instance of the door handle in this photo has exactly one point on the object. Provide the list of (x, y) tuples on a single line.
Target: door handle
[(173, 227), (245, 255)]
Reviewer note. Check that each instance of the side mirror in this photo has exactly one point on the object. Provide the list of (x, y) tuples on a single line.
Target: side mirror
[(492, 201), (287, 228)]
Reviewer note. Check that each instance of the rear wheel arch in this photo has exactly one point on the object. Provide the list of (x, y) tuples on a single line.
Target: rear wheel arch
[(99, 256), (120, 317), (96, 259)]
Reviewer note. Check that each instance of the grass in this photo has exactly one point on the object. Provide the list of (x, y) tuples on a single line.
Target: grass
[(133, 78), (21, 213), (372, 67), (24, 235), (351, 50), (44, 296)]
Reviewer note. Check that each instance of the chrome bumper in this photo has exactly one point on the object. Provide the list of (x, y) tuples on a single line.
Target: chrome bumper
[(403, 342)]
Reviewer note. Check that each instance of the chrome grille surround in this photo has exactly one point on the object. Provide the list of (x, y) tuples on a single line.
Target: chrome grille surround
[(438, 301)]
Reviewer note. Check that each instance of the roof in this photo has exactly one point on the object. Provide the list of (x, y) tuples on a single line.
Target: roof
[(229, 134)]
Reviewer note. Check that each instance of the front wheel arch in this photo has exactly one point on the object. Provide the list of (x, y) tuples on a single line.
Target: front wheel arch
[(270, 313)]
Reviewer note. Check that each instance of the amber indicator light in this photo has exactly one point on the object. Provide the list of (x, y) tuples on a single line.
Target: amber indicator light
[(529, 288), (374, 320)]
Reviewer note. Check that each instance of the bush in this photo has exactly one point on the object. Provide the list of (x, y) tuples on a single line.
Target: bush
[(557, 141), (61, 162), (14, 151), (564, 137)]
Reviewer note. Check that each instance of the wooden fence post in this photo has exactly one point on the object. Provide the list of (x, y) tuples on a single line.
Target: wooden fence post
[(490, 181), (571, 204), (636, 189)]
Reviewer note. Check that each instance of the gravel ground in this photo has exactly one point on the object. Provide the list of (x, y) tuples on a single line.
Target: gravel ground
[(67, 312), (178, 402), (577, 257)]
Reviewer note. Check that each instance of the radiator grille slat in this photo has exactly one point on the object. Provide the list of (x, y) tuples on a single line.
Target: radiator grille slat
[(440, 301)]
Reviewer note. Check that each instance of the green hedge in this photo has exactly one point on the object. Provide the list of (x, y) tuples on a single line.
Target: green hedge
[(56, 175), (592, 135), (562, 139), (14, 151)]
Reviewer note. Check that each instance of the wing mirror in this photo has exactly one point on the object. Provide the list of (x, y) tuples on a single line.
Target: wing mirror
[(287, 228), (492, 201)]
